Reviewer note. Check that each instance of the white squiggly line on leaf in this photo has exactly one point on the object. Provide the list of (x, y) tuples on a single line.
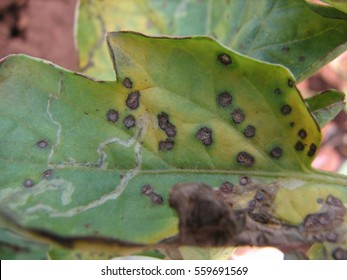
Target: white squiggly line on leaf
[(137, 142)]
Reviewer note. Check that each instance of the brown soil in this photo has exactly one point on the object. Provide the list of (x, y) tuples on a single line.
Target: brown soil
[(40, 28)]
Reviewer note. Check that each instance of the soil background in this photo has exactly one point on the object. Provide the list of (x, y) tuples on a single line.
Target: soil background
[(45, 29), (40, 28)]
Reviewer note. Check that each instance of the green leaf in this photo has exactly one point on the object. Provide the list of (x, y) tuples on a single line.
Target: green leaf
[(338, 4), (13, 246), (78, 156), (326, 105), (288, 32)]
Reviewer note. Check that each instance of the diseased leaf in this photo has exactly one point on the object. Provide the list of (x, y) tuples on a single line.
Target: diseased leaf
[(301, 36), (90, 165), (326, 105)]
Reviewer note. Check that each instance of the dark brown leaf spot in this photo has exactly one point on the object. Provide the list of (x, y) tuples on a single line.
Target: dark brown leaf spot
[(291, 83), (320, 237), (310, 221), (245, 180), (226, 187), (166, 145), (260, 195), (339, 254), (170, 130), (286, 109), (312, 150), (129, 121), (166, 125), (276, 152), (292, 124), (225, 59), (299, 146), (224, 99), (316, 220), (147, 190), (47, 173), (127, 83), (133, 100), (28, 183), (285, 49), (163, 119), (245, 159), (277, 91), (249, 131), (301, 58), (302, 133), (238, 116), (42, 144), (204, 134), (334, 201), (112, 115), (323, 218), (156, 198)]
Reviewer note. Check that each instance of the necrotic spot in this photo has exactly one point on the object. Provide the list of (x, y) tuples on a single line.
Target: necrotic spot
[(249, 131), (204, 134), (285, 49), (320, 237), (156, 198), (225, 59), (245, 159), (260, 195), (276, 152), (226, 187), (166, 125), (112, 115), (170, 130), (299, 146), (292, 124), (302, 133), (129, 121), (47, 173), (147, 189), (334, 201), (42, 144), (310, 221), (291, 83), (286, 109), (314, 220), (163, 119), (339, 254), (224, 99), (166, 145), (238, 116), (28, 183), (312, 150), (127, 83), (133, 100), (277, 91), (323, 218), (245, 180)]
